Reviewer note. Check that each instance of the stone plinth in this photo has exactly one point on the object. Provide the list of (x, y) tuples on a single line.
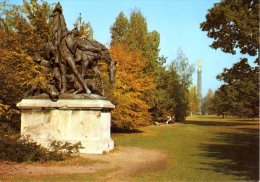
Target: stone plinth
[(84, 119)]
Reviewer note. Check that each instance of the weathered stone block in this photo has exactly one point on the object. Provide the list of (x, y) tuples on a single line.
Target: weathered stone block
[(73, 120)]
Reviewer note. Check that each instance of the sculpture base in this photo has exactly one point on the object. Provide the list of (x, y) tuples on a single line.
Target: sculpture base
[(74, 119)]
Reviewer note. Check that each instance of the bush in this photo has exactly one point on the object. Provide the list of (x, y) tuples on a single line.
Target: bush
[(9, 119), (23, 149), (60, 151)]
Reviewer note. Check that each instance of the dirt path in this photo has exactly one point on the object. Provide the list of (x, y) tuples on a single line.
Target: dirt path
[(122, 163)]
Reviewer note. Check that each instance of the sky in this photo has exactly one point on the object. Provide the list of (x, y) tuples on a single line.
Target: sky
[(177, 21)]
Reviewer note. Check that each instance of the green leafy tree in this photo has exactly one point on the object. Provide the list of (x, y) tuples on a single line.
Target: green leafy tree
[(119, 29), (134, 33), (152, 53), (234, 24), (242, 83), (85, 28), (183, 68), (221, 101), (180, 92), (207, 103), (137, 32), (193, 100), (148, 42), (163, 101)]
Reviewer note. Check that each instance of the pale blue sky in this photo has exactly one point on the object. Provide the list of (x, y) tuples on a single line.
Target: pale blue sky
[(177, 21)]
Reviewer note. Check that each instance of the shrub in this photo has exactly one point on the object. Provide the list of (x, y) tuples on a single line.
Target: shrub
[(23, 149)]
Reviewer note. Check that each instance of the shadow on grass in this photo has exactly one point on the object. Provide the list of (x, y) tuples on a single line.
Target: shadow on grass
[(113, 130), (236, 153), (220, 123)]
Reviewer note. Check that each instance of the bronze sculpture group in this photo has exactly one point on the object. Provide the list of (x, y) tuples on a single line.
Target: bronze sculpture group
[(68, 58)]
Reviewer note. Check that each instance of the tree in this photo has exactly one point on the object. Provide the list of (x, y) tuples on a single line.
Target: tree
[(234, 24), (22, 29), (128, 93), (85, 29), (139, 38), (241, 81), (183, 68), (163, 103), (207, 103), (151, 52), (221, 101), (180, 94), (119, 29), (180, 89), (193, 100), (171, 95), (133, 33), (137, 32)]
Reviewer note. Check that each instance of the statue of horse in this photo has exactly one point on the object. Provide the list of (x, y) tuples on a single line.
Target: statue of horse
[(89, 60), (62, 54), (68, 47), (77, 88)]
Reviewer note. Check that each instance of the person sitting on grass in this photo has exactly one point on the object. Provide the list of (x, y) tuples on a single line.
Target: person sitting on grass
[(173, 119), (170, 119)]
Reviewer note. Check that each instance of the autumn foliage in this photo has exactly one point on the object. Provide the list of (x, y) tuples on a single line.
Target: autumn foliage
[(22, 30), (128, 94)]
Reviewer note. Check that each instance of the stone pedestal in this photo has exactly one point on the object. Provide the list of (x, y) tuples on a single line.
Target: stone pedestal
[(84, 119)]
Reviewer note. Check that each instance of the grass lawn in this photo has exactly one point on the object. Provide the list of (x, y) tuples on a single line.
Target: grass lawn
[(204, 148)]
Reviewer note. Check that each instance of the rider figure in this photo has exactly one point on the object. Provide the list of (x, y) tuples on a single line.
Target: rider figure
[(67, 48)]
